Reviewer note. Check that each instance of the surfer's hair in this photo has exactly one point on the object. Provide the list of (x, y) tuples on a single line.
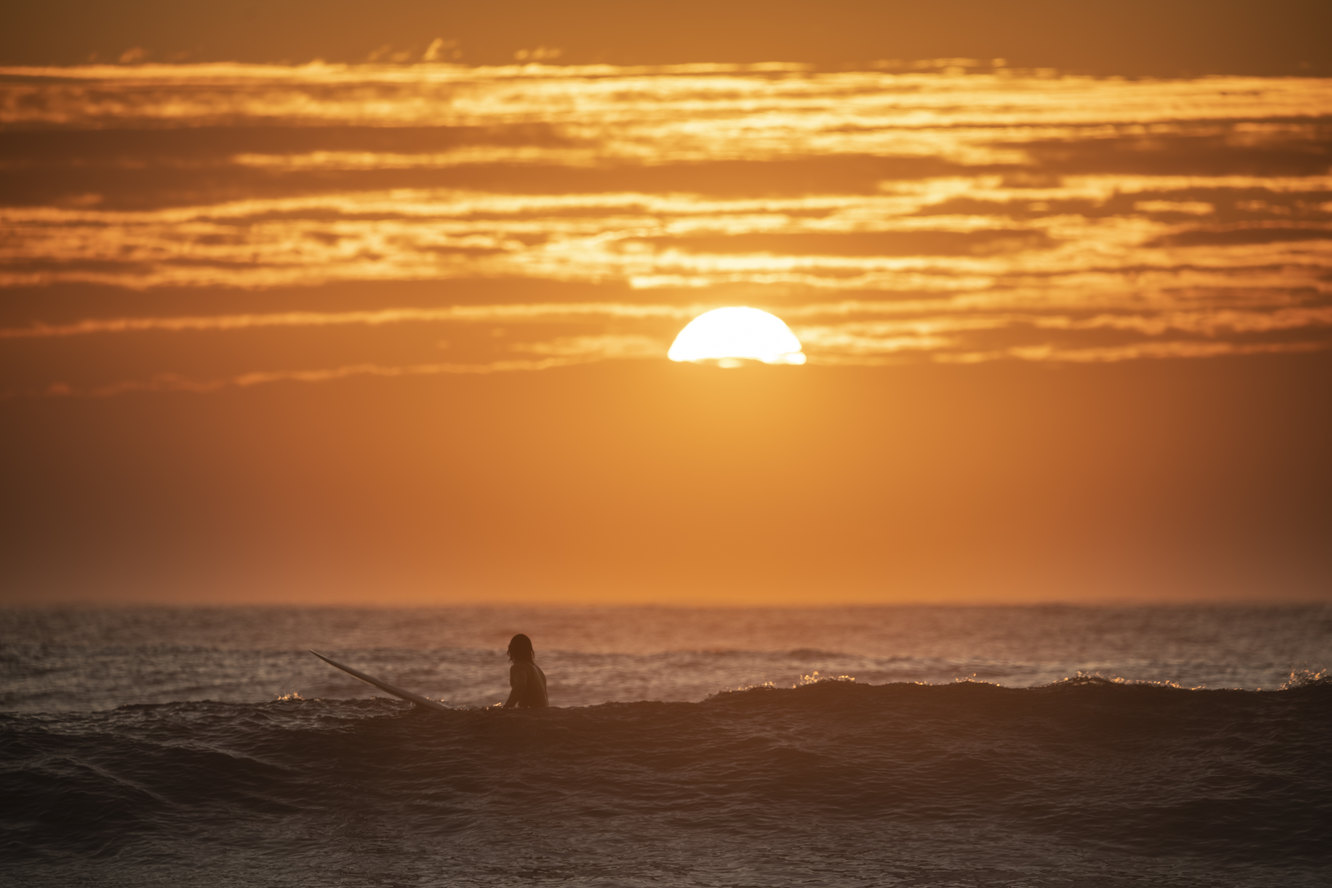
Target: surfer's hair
[(520, 648)]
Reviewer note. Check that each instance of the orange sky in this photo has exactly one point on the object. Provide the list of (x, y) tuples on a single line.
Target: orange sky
[(1129, 37), (391, 327)]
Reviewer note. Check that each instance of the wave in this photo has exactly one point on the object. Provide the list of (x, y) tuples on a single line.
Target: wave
[(1144, 767)]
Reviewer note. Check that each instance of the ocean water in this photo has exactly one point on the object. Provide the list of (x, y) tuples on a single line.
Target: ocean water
[(931, 746)]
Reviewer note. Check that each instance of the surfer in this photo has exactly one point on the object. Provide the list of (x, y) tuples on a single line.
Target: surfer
[(526, 679)]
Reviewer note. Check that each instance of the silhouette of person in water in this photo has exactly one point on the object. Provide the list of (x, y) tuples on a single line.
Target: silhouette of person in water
[(526, 679)]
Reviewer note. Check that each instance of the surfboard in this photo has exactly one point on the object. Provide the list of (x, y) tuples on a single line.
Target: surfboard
[(385, 686)]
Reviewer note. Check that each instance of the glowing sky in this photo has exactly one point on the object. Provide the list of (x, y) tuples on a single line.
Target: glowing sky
[(244, 291)]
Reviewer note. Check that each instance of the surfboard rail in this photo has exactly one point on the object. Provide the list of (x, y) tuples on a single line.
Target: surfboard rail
[(384, 686)]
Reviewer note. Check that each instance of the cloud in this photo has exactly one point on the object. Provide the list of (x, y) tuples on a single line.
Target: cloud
[(441, 50), (1115, 354), (1260, 234), (888, 214), (171, 382), (453, 314)]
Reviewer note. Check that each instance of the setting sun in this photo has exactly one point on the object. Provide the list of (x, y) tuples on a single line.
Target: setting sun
[(736, 334)]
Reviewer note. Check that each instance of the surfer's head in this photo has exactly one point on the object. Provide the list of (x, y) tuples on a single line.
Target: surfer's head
[(520, 648)]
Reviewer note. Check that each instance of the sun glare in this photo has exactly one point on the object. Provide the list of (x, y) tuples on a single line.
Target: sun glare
[(730, 336)]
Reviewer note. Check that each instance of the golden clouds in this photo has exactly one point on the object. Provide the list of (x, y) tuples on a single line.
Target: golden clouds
[(888, 214)]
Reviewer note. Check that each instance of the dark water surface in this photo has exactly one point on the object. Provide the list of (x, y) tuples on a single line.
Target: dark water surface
[(1085, 781)]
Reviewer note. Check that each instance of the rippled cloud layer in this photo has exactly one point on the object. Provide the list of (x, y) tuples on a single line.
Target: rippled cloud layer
[(215, 225)]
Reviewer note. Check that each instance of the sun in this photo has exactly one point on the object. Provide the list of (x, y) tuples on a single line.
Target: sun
[(736, 334)]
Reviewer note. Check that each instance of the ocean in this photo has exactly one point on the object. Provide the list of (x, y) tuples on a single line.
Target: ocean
[(909, 745)]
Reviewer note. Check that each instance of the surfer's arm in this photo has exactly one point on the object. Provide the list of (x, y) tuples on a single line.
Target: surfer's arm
[(517, 684)]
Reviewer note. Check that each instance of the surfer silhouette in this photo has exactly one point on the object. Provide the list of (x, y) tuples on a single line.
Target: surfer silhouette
[(526, 679)]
